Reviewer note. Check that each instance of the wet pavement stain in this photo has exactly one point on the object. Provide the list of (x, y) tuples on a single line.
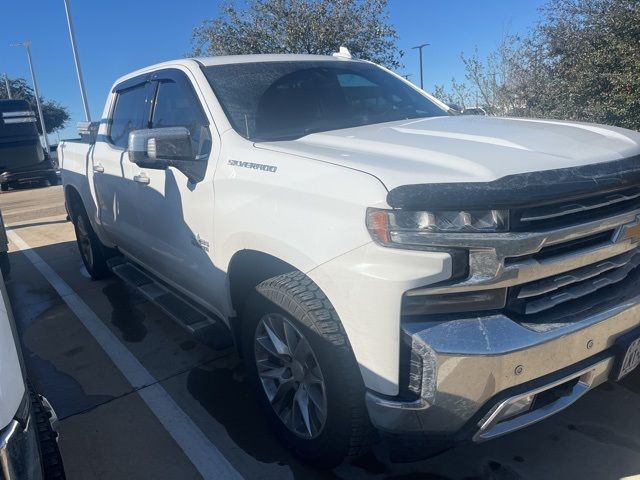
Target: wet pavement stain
[(228, 396), (61, 389), (64, 392), (125, 316)]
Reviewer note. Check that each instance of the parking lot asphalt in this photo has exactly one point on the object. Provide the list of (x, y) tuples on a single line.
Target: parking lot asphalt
[(138, 398)]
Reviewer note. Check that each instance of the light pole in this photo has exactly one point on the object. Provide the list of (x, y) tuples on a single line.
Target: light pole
[(6, 84), (419, 48), (76, 57), (27, 45)]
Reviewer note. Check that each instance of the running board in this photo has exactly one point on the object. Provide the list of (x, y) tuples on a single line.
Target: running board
[(203, 326)]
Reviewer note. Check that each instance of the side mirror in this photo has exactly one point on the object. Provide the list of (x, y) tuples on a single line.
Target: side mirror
[(159, 148)]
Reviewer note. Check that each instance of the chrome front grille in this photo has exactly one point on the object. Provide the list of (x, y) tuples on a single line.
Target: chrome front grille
[(551, 276), (569, 212), (539, 296)]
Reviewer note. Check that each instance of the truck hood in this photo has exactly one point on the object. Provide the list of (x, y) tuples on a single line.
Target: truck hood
[(463, 148)]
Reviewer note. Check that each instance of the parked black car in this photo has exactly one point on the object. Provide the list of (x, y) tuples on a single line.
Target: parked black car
[(22, 158)]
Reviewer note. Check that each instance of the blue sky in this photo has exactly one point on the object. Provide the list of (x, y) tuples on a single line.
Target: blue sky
[(117, 36)]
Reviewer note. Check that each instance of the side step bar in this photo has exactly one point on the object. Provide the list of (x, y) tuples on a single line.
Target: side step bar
[(204, 326)]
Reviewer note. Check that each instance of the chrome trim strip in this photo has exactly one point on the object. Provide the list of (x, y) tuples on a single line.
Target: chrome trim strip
[(22, 113), (577, 208), (8, 121), (554, 283), (580, 290), (491, 427)]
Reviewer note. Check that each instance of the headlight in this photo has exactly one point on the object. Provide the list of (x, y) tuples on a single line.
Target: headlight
[(399, 226)]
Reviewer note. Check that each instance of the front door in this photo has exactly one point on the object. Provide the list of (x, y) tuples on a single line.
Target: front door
[(176, 205)]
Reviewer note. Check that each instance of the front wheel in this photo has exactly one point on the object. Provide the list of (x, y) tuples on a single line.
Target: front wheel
[(51, 460), (302, 366)]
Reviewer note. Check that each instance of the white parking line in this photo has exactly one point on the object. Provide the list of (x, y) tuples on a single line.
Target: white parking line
[(205, 457)]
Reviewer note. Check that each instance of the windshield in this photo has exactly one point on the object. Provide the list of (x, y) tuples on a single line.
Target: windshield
[(270, 101)]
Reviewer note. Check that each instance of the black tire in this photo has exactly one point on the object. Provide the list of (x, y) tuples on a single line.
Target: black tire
[(93, 253), (52, 467), (346, 431), (54, 180), (4, 187)]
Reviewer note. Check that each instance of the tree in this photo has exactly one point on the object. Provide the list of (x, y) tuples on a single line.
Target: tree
[(458, 95), (581, 62), (301, 26), (55, 115)]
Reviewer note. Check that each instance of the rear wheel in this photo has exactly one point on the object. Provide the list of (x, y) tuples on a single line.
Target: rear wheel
[(307, 378), (94, 254)]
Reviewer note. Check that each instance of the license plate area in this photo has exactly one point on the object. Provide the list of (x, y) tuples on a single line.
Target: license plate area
[(628, 355)]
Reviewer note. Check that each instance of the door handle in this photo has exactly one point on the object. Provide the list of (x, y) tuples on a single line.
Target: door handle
[(98, 168), (143, 179)]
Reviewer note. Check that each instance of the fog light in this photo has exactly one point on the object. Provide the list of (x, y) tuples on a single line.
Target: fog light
[(516, 407), (415, 304)]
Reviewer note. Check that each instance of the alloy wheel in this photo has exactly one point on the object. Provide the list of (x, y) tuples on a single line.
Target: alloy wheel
[(290, 375)]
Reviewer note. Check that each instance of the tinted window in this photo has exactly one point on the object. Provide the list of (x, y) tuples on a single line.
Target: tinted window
[(129, 114), (286, 100), (178, 106)]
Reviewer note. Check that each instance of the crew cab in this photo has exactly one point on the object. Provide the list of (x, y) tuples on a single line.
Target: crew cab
[(377, 261)]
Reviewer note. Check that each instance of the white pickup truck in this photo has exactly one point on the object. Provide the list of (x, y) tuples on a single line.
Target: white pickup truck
[(377, 260)]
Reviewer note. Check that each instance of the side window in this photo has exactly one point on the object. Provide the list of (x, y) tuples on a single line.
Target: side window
[(178, 106), (129, 114)]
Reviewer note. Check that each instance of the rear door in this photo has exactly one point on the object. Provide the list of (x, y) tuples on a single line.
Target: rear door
[(176, 210), (113, 171)]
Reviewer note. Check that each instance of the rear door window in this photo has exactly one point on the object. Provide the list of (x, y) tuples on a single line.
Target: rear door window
[(129, 114)]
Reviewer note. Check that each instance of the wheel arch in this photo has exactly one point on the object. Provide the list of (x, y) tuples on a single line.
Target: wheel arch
[(72, 200), (247, 269)]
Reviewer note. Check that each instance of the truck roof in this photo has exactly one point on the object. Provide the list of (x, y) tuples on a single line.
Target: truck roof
[(282, 57), (229, 59)]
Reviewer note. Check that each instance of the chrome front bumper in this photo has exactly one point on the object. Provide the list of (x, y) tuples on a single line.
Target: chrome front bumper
[(19, 452), (469, 368)]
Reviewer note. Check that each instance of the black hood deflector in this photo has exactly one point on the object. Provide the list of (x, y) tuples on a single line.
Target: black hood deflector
[(523, 189)]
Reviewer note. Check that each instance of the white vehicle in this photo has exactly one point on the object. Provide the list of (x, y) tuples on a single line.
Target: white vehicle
[(28, 440), (379, 261)]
